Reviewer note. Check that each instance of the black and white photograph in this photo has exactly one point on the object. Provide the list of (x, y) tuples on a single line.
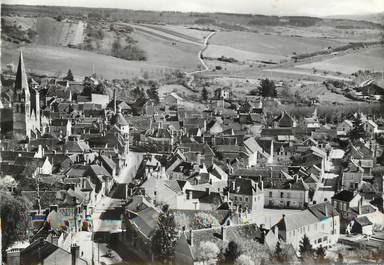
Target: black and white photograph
[(192, 132)]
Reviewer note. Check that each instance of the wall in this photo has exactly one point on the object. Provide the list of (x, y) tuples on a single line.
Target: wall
[(291, 198)]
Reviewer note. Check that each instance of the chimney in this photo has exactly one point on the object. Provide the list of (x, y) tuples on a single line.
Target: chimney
[(233, 185), (326, 209), (262, 185), (75, 253), (13, 256)]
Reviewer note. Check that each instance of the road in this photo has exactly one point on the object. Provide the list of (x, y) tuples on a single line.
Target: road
[(190, 75), (89, 248)]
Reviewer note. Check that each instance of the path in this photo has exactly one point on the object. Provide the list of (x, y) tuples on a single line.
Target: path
[(190, 75)]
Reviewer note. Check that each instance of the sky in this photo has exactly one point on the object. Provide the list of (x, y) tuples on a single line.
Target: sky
[(268, 7)]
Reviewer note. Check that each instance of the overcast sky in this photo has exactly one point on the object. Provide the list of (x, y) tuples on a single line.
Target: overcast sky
[(275, 7)]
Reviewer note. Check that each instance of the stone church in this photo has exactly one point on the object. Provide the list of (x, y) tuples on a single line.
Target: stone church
[(20, 120)]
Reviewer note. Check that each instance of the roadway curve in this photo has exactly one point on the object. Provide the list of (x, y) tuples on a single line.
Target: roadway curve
[(190, 75)]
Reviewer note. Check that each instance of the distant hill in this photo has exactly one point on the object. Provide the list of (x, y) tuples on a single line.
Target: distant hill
[(375, 18)]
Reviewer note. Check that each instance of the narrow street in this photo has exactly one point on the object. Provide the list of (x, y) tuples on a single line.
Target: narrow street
[(105, 203)]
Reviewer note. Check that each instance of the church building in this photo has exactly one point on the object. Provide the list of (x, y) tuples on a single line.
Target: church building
[(21, 119)]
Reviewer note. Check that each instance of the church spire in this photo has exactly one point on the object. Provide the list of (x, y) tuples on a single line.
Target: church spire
[(21, 82)]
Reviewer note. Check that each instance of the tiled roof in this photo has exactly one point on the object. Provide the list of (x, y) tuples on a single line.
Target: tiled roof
[(363, 221), (323, 210), (344, 195), (294, 221), (244, 187)]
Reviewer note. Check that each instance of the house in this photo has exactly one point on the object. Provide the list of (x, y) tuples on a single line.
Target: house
[(345, 199), (285, 121), (223, 93), (175, 193), (59, 127), (352, 176), (344, 128), (286, 193), (252, 148), (246, 195), (173, 99), (43, 252), (361, 225), (320, 223), (140, 220), (100, 99)]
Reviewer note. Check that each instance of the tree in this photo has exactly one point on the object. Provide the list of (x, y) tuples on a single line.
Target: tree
[(320, 254), (358, 130), (305, 249), (204, 94), (69, 76), (267, 88), (165, 236), (208, 250), (280, 255), (153, 91), (232, 252), (15, 220)]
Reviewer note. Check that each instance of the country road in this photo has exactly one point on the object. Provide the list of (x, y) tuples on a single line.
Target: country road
[(190, 75)]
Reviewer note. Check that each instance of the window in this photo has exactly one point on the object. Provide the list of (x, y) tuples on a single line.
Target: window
[(240, 199), (235, 198), (281, 194), (270, 194), (246, 199)]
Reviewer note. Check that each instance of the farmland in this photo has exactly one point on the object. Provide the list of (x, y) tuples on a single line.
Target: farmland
[(270, 46), (53, 60), (366, 59)]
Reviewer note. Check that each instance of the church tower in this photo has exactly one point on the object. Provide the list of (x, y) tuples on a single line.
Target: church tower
[(21, 104)]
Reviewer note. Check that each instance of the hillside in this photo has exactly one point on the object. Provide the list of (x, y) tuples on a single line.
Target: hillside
[(243, 44), (375, 18)]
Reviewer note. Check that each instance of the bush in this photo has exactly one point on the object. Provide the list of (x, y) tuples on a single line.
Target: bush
[(129, 52)]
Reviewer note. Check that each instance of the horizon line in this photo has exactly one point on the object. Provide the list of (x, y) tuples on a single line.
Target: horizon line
[(199, 12)]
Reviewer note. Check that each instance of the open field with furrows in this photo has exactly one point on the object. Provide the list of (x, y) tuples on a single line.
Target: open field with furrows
[(365, 59), (239, 45), (170, 53), (52, 60)]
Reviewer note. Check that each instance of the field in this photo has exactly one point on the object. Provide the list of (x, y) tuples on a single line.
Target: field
[(52, 60), (256, 46), (367, 59), (165, 48)]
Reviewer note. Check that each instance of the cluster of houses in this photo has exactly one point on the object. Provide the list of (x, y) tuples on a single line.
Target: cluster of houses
[(220, 171)]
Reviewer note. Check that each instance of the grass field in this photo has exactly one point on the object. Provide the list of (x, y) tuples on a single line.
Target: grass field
[(57, 60), (161, 51), (270, 46), (365, 59)]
